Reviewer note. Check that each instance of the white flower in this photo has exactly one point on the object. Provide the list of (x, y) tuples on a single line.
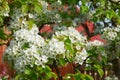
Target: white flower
[(78, 47), (6, 14), (95, 43), (42, 59), (34, 30), (30, 15), (81, 56), (54, 48), (25, 49), (44, 4), (59, 1), (111, 34), (117, 29), (111, 77), (73, 34)]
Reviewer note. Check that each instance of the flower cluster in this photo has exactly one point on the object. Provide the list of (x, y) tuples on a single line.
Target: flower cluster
[(96, 47), (54, 48), (71, 37), (27, 48), (4, 8), (73, 34), (111, 77), (81, 56), (111, 34), (18, 20), (94, 44), (24, 49)]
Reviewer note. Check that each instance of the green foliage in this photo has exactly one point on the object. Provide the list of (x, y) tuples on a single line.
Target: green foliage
[(25, 8), (25, 46), (3, 36), (43, 73), (80, 76), (4, 10), (38, 8), (77, 76), (69, 47), (62, 61), (30, 24), (99, 69)]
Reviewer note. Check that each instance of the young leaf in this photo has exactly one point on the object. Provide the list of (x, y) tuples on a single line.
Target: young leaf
[(38, 8), (47, 69), (49, 74), (77, 76), (99, 69), (30, 24), (25, 8), (69, 45), (62, 61), (2, 35), (28, 71), (17, 77), (88, 77), (25, 46)]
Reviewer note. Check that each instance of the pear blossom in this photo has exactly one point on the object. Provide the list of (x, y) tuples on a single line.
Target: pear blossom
[(25, 49), (111, 34), (73, 34), (92, 44), (81, 56), (54, 48)]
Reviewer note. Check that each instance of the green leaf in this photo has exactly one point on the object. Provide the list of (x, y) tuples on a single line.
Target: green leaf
[(47, 69), (39, 68), (99, 69), (49, 74), (54, 76), (77, 76), (103, 3), (110, 14), (3, 36), (88, 77), (23, 1), (25, 8), (69, 45), (17, 77), (28, 71), (33, 76), (25, 45), (38, 8), (62, 61), (1, 20), (84, 9), (71, 1), (118, 21), (30, 24)]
